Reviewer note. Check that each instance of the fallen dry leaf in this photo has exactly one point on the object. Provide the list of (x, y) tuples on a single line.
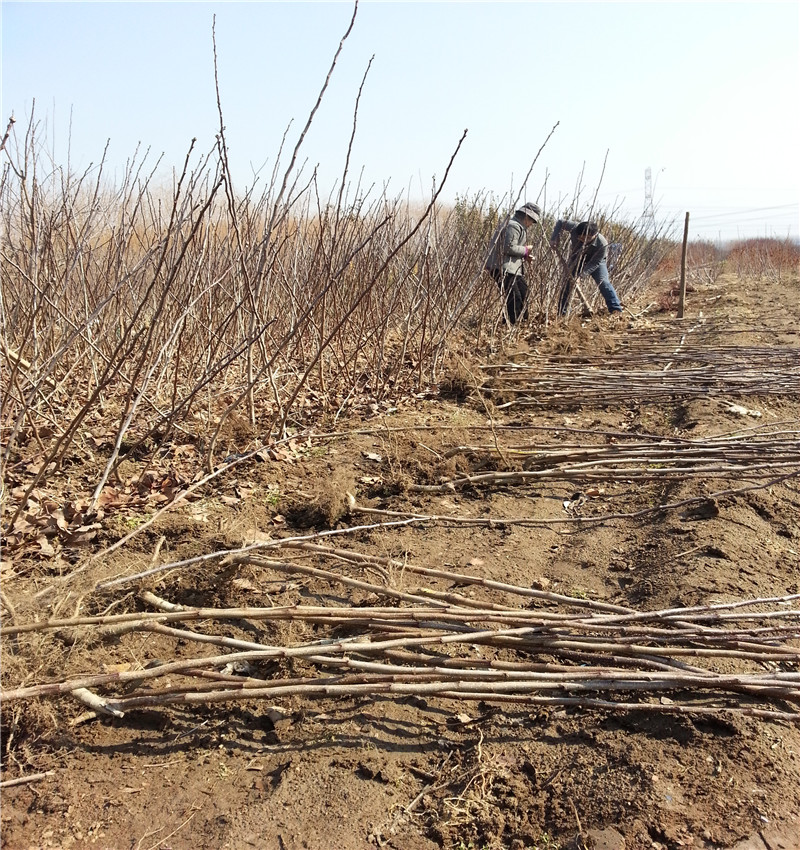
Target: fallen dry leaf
[(44, 546), (255, 535), (122, 667)]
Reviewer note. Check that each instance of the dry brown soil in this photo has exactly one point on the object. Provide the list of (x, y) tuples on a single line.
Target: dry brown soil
[(377, 770)]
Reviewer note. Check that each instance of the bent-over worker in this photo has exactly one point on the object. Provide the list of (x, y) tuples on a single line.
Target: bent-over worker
[(588, 255)]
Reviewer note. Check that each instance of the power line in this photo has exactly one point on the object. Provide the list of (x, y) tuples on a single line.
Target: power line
[(745, 211)]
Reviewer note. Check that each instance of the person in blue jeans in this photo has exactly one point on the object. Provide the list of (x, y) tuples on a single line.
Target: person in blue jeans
[(588, 255)]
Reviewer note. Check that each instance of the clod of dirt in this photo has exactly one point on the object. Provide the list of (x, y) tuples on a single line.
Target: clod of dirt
[(707, 509), (458, 382), (323, 508)]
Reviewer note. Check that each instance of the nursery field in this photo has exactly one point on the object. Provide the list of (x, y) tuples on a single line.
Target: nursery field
[(551, 602)]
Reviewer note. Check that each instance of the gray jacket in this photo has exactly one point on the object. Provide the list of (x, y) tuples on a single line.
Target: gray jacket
[(583, 259), (507, 247)]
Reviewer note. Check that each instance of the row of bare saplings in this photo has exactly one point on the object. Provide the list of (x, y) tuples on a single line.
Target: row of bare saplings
[(500, 643), (647, 373), (768, 454), (529, 456), (168, 313)]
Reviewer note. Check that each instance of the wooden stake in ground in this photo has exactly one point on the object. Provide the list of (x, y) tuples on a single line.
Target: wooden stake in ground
[(682, 296)]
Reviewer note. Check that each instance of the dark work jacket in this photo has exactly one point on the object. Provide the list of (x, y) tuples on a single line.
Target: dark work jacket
[(583, 259)]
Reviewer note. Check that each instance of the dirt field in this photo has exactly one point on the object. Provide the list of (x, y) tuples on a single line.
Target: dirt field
[(375, 767)]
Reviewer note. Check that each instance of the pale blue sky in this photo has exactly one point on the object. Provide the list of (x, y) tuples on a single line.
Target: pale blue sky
[(705, 94)]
